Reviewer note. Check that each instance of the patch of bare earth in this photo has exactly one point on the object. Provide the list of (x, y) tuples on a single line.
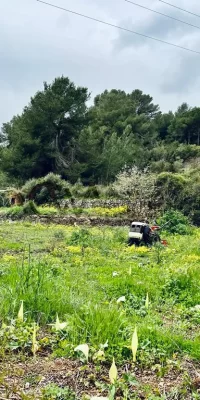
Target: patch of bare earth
[(28, 378)]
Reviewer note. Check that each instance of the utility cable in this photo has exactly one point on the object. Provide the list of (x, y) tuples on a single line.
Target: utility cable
[(118, 27), (163, 15), (179, 8)]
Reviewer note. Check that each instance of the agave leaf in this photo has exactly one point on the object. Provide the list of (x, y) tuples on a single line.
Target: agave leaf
[(113, 372), (83, 348), (20, 315), (134, 344), (35, 346), (147, 302), (59, 326)]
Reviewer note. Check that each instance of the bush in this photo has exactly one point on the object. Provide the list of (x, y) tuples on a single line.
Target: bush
[(171, 187), (48, 189), (195, 216), (188, 151), (92, 192), (30, 208), (192, 201), (4, 201), (77, 189), (134, 184), (175, 222)]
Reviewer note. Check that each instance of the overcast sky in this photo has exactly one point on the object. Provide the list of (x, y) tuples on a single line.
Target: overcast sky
[(39, 43)]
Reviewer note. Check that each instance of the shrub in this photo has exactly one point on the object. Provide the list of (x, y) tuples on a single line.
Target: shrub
[(136, 185), (187, 151), (30, 208), (48, 189), (77, 189), (195, 216), (192, 201), (175, 222), (4, 201), (92, 192), (54, 392), (171, 188)]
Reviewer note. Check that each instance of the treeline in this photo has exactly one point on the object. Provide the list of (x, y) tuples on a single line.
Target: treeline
[(57, 132)]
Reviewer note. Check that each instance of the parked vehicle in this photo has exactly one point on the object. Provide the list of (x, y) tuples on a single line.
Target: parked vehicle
[(142, 234)]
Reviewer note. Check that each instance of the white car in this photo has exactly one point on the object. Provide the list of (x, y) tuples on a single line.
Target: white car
[(141, 232)]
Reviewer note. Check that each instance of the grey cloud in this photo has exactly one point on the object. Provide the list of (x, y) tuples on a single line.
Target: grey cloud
[(183, 76), (39, 43), (156, 27)]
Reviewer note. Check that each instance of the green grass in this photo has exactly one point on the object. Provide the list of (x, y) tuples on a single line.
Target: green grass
[(80, 274)]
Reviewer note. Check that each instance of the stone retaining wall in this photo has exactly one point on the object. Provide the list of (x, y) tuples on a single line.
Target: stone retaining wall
[(111, 203), (78, 220)]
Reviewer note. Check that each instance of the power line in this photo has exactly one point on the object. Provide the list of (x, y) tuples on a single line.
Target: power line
[(117, 26), (179, 8), (164, 15)]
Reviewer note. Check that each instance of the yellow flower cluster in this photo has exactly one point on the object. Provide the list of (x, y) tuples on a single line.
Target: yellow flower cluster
[(139, 250), (74, 249), (8, 258), (107, 212)]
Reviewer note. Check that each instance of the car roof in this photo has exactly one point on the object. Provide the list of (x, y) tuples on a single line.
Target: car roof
[(138, 223)]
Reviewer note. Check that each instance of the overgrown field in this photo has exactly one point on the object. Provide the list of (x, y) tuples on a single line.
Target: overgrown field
[(100, 290)]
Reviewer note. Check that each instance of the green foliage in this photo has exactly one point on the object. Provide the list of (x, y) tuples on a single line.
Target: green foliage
[(185, 127), (81, 237), (170, 187), (79, 275), (48, 189), (54, 392), (29, 208), (3, 180), (175, 222), (16, 337), (92, 192), (103, 150), (18, 212), (41, 140), (72, 274)]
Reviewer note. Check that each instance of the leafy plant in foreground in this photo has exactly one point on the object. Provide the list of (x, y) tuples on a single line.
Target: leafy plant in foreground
[(54, 392)]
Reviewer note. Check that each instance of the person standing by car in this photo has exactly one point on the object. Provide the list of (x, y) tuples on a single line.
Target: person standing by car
[(146, 232)]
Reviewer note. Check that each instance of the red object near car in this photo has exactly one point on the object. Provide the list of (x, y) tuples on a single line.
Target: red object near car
[(155, 228)]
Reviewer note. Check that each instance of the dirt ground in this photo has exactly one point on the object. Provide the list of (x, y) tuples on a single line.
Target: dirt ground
[(24, 379)]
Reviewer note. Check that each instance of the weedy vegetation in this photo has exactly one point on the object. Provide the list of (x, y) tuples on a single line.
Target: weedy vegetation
[(84, 316)]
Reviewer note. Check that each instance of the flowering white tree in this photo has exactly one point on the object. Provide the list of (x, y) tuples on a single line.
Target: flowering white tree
[(135, 185)]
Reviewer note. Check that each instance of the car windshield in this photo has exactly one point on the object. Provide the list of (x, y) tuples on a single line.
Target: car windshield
[(135, 228)]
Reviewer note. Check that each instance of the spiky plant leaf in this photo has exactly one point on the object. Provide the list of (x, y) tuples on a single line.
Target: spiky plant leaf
[(83, 348), (122, 299), (134, 344), (59, 326), (113, 372), (20, 315), (35, 346), (147, 302)]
